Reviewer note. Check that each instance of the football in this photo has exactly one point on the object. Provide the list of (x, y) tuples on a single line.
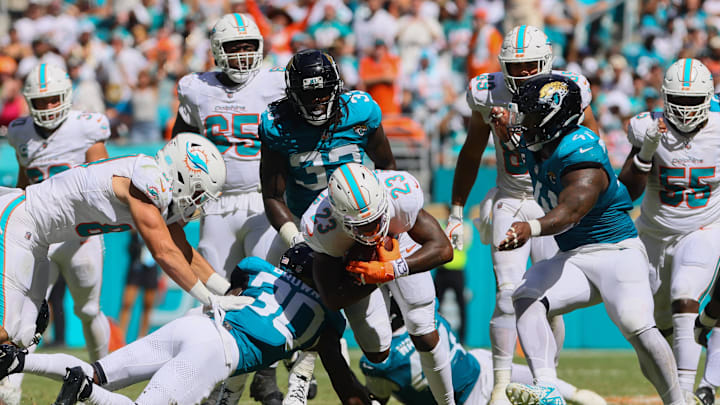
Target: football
[(365, 253)]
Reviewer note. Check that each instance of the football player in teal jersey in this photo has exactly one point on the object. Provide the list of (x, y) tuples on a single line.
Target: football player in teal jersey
[(317, 128), (601, 258), (273, 314), (401, 377)]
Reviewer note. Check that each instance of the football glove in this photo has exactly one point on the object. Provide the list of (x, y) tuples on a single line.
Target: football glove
[(703, 326), (454, 228), (653, 135), (389, 266)]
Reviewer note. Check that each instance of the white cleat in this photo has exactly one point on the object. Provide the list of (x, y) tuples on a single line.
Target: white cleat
[(586, 397), (498, 397), (522, 394), (9, 393)]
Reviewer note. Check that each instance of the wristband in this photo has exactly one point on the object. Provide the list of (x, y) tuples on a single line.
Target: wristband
[(217, 284), (287, 232), (535, 227), (642, 166), (456, 211), (200, 293), (707, 320), (400, 267)]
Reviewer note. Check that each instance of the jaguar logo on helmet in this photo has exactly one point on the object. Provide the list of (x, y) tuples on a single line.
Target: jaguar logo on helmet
[(195, 159), (553, 93)]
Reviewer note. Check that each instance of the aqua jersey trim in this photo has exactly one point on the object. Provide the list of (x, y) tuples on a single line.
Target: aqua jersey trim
[(3, 226)]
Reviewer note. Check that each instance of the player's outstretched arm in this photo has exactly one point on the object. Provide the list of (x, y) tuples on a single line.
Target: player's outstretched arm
[(337, 289), (469, 158), (378, 149), (581, 190), (273, 177), (436, 248), (634, 178), (343, 380)]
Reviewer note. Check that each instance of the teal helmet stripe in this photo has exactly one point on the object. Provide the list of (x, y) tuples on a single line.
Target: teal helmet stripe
[(687, 71), (240, 22), (354, 187), (520, 45), (43, 83)]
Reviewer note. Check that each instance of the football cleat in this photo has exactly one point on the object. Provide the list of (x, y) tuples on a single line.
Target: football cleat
[(705, 395), (298, 387), (313, 389), (498, 397), (523, 394), (221, 395), (586, 397), (76, 387), (264, 388), (12, 360)]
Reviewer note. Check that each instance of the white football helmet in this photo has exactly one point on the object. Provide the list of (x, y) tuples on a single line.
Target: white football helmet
[(196, 170), (358, 199), (687, 89), (46, 80), (525, 43), (237, 27)]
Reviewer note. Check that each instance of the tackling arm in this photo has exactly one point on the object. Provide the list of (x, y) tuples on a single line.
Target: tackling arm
[(336, 289), (343, 380), (378, 149), (632, 177), (581, 190), (273, 177), (96, 152)]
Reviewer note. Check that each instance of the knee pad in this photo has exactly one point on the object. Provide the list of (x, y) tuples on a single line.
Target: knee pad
[(523, 291), (689, 288), (504, 302), (634, 320), (420, 318)]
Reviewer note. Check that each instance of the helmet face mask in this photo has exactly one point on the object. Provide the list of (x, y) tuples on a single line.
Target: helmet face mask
[(313, 85), (48, 92), (359, 202), (687, 89), (196, 171), (231, 39), (526, 45)]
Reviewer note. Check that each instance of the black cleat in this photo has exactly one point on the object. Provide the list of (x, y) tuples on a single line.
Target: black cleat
[(264, 388), (76, 387), (706, 395), (312, 390), (12, 360)]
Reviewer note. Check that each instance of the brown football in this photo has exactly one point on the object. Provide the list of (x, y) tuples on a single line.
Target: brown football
[(365, 253)]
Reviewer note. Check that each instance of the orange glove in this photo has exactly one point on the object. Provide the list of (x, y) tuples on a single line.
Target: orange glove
[(389, 266), (373, 272)]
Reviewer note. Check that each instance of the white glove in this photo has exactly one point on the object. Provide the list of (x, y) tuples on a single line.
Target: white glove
[(653, 135), (230, 302), (454, 228)]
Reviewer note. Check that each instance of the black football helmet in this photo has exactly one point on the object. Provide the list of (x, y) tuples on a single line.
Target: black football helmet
[(298, 260), (545, 108), (313, 85)]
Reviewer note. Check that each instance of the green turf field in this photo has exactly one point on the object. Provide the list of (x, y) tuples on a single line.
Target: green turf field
[(613, 374)]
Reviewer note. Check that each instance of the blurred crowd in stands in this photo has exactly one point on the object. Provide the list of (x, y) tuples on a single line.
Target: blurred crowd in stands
[(414, 56)]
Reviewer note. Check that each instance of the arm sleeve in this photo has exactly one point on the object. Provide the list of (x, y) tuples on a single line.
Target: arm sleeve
[(101, 132)]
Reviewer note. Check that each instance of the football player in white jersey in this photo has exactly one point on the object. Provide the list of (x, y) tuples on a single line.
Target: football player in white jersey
[(156, 196), (50, 141), (674, 160), (525, 53), (225, 106), (362, 206)]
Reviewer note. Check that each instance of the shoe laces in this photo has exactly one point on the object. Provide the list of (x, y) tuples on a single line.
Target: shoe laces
[(298, 388)]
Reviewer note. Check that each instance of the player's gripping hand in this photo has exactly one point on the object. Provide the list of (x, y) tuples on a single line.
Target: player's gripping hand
[(703, 325), (516, 236), (388, 266), (230, 302), (454, 228), (499, 118), (653, 135)]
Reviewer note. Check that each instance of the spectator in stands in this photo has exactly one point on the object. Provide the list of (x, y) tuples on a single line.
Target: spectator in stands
[(326, 31), (417, 31), (144, 101), (42, 52), (429, 91), (87, 93), (142, 274), (12, 103), (13, 47), (380, 76), (344, 53), (485, 45), (373, 21)]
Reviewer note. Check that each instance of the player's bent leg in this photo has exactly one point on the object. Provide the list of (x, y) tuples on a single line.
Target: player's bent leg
[(711, 376), (83, 274), (259, 237), (369, 320), (219, 242)]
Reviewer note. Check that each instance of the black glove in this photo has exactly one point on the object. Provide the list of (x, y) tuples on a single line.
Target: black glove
[(43, 318), (703, 326)]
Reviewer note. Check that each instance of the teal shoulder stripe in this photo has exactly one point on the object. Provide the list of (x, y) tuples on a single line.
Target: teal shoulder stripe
[(354, 188), (3, 226)]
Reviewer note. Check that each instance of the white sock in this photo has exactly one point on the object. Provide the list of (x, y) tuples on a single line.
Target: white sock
[(101, 396), (546, 377), (503, 335), (711, 377), (557, 324), (53, 365), (658, 364), (436, 367), (536, 337), (97, 336), (687, 352)]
